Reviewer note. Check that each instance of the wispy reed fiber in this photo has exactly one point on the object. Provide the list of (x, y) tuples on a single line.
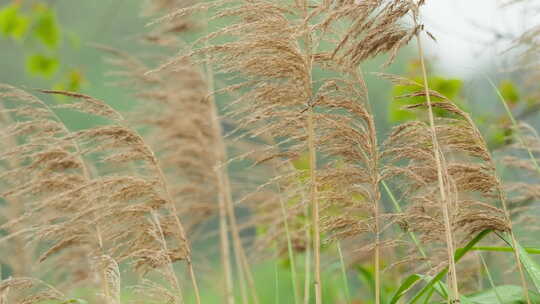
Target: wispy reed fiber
[(73, 201), (271, 52)]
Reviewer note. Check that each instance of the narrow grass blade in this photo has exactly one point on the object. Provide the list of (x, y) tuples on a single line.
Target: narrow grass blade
[(409, 282), (457, 256), (442, 290), (529, 250), (533, 269), (344, 274), (490, 278), (504, 294)]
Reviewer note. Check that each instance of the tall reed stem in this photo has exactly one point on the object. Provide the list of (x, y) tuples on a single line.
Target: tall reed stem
[(502, 197), (375, 178), (226, 203), (313, 197), (179, 226), (307, 261), (344, 274), (223, 230), (289, 245), (441, 172), (314, 207), (87, 176), (222, 197), (170, 268)]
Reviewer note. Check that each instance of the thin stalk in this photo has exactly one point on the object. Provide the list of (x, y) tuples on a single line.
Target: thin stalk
[(236, 240), (179, 226), (276, 276), (375, 179), (520, 268), (499, 299), (228, 205), (454, 296), (240, 254), (398, 209), (244, 269), (172, 275), (376, 201), (344, 274), (514, 245), (224, 243), (307, 261), (314, 208), (515, 125), (193, 280), (289, 248), (88, 177), (411, 234), (222, 200), (313, 197), (225, 253), (502, 197), (3, 295)]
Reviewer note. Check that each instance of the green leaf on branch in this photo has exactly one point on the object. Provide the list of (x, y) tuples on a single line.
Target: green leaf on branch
[(448, 87), (73, 81), (46, 27), (42, 65), (509, 92), (12, 23)]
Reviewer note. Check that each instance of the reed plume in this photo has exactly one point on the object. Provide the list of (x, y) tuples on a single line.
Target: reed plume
[(271, 53), (192, 148), (468, 172), (74, 200), (29, 291)]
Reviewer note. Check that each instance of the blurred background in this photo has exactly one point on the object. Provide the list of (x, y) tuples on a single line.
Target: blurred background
[(51, 44)]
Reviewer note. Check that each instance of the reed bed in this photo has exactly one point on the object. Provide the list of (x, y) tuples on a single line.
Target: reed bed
[(257, 142)]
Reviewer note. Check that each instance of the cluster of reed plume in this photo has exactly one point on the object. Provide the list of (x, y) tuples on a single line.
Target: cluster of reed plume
[(78, 206)]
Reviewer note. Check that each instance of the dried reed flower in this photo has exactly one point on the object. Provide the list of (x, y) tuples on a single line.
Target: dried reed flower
[(470, 179), (29, 291), (271, 51), (74, 201), (521, 159)]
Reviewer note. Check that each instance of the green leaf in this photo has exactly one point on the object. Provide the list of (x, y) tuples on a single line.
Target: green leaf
[(404, 287), (505, 249), (509, 92), (42, 65), (12, 23), (442, 290), (366, 275), (448, 87), (46, 27), (530, 265), (509, 294), (75, 80), (396, 111), (457, 256)]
